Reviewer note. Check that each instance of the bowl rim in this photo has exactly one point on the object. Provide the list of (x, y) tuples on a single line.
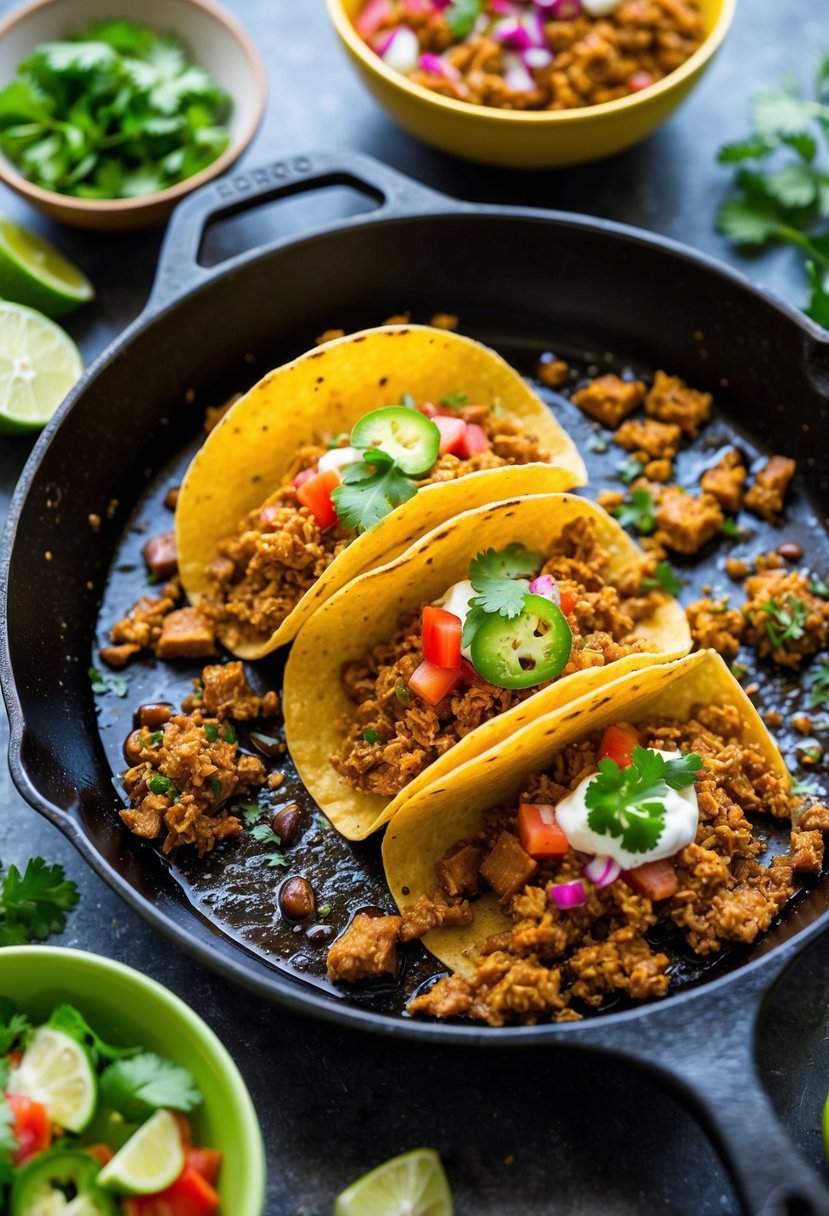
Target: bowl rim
[(344, 26), (196, 1028), (54, 199)]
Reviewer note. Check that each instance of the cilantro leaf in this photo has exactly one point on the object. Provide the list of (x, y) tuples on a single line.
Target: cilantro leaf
[(370, 491), (138, 1086), (251, 812), (639, 513), (108, 681), (818, 306), (35, 904), (628, 470), (804, 789), (455, 401), (13, 1026), (275, 859), (265, 834), (775, 113), (461, 15), (785, 621), (629, 802), (819, 686), (513, 562), (72, 1022), (664, 579), (475, 617), (504, 596), (819, 586)]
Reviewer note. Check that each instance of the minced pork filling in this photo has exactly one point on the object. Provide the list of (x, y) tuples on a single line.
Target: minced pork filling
[(279, 551), (393, 735), (555, 964)]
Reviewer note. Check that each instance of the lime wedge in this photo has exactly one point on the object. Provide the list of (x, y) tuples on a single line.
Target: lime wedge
[(150, 1161), (39, 363), (413, 1184), (33, 272), (57, 1072)]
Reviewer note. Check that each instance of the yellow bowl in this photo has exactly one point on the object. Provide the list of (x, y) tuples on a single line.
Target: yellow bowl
[(527, 139)]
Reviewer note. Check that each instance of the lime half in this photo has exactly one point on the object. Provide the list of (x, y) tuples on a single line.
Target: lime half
[(150, 1161), (413, 1184), (33, 272), (57, 1072), (39, 363)]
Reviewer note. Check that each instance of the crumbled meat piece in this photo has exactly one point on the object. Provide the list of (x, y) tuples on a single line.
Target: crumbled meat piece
[(815, 817), (459, 870), (647, 437), (609, 399), (186, 633), (737, 569), (508, 867), (450, 997), (552, 372), (171, 498), (445, 320), (685, 522), (767, 495), (658, 470), (806, 852), (785, 620), (802, 724), (119, 656), (142, 625), (433, 911), (161, 555), (725, 481), (713, 624), (366, 950), (226, 693), (671, 400)]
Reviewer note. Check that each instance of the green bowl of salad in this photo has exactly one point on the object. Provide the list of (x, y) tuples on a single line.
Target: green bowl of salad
[(116, 1099)]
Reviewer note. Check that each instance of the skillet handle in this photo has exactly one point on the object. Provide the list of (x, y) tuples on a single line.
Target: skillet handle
[(178, 267), (701, 1049)]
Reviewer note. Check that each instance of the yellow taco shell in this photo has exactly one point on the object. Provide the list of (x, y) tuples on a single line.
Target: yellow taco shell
[(328, 389), (365, 613), (451, 808)]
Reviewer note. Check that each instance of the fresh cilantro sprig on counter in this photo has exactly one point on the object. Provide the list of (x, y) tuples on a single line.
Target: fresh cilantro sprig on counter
[(500, 579), (370, 490), (785, 621), (629, 802), (784, 195), (664, 579), (34, 904), (116, 111), (144, 1083)]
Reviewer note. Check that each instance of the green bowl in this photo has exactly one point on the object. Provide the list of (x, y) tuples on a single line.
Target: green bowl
[(127, 1008)]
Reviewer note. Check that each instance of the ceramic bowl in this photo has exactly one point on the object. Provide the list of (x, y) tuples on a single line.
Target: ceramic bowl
[(527, 139), (214, 39), (128, 1008)]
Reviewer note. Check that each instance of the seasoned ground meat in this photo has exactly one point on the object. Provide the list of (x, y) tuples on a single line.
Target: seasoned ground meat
[(224, 692), (156, 623), (648, 438), (186, 633), (141, 627), (768, 493), (785, 620), (671, 400), (554, 964), (433, 911), (725, 481), (279, 551), (552, 372), (405, 734), (686, 522), (716, 626), (610, 399), (367, 949), (161, 555)]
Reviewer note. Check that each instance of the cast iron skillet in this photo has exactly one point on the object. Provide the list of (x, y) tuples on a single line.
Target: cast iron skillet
[(538, 276)]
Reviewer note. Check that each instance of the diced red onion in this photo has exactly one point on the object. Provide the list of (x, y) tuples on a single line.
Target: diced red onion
[(537, 57), (375, 14), (534, 25), (403, 50), (436, 65), (546, 586), (602, 871), (504, 8), (568, 894), (516, 76), (511, 32)]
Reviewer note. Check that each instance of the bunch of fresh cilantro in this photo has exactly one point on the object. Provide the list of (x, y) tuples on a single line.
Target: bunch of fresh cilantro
[(782, 184), (34, 904), (117, 111)]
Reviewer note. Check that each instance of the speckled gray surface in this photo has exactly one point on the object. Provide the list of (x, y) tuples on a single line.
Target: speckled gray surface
[(553, 1133)]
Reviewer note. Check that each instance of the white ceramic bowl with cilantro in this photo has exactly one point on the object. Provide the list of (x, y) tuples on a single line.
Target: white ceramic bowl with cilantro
[(181, 1066), (214, 41)]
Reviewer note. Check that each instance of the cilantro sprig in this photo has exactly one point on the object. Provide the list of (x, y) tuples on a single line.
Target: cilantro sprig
[(639, 512), (116, 111), (34, 904), (819, 686), (370, 490), (784, 195), (630, 802), (499, 577), (108, 681), (785, 621), (137, 1086), (664, 579), (71, 1022)]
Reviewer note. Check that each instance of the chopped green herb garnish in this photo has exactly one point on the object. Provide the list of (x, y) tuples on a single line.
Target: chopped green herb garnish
[(785, 621), (599, 444), (370, 735), (730, 528), (159, 784), (461, 15), (72, 1022), (630, 802), (325, 911), (819, 685), (146, 1082), (638, 513), (156, 738), (455, 401), (804, 789), (251, 812), (630, 469), (152, 578), (211, 730), (103, 682), (402, 694), (275, 859), (229, 735), (818, 587), (265, 834), (739, 671), (216, 787), (811, 755), (664, 579), (13, 1026)]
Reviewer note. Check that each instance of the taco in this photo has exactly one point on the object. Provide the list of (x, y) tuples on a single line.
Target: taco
[(338, 461), (570, 859), (502, 614)]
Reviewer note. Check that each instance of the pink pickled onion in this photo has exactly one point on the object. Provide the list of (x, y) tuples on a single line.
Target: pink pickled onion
[(537, 57), (546, 586), (516, 76), (602, 871), (375, 14), (568, 894)]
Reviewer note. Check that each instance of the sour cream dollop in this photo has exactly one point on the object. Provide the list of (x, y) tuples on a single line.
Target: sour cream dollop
[(338, 458), (681, 820), (457, 600)]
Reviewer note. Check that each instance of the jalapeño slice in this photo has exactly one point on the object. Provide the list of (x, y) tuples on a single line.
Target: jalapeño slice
[(530, 649), (409, 437), (58, 1180)]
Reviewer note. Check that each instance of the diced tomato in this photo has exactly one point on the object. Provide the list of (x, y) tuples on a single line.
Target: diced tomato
[(451, 434), (431, 411), (433, 683), (190, 1195), (304, 476), (567, 601), (639, 81), (617, 744), (442, 637), (475, 440), (205, 1161), (655, 879), (102, 1153), (375, 14), (315, 494), (31, 1127), (539, 833), (470, 675)]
